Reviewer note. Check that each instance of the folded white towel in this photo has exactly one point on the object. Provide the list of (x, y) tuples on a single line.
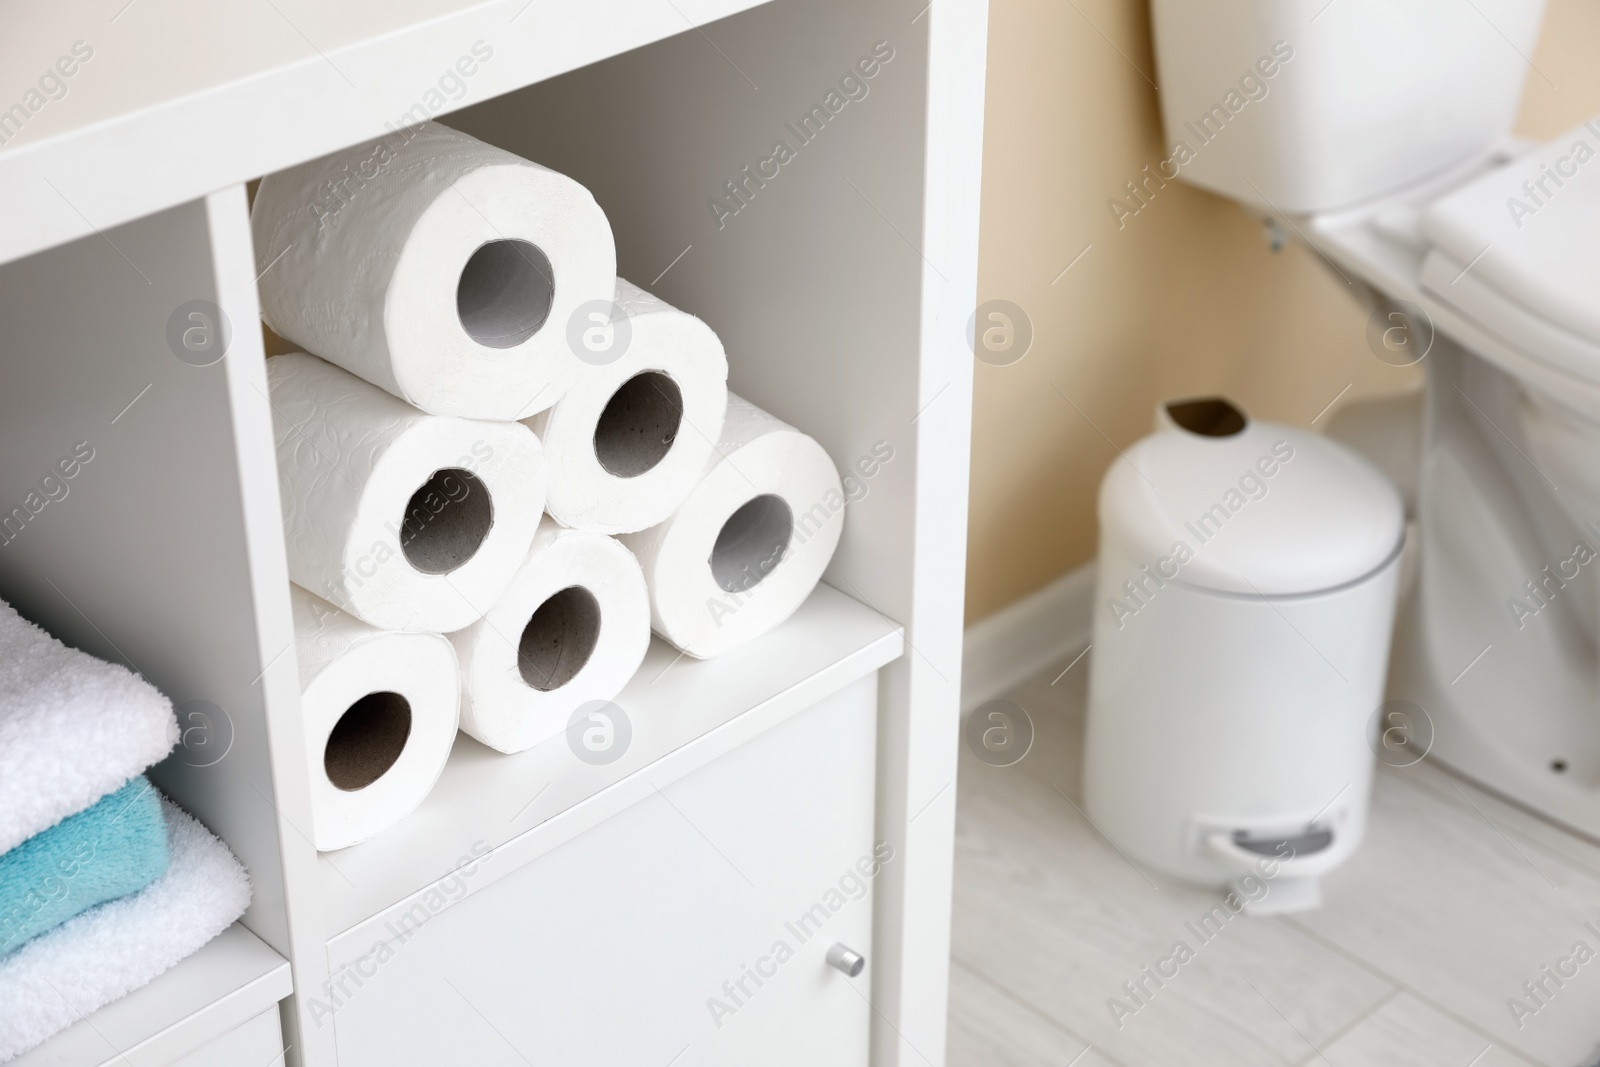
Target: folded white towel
[(109, 951), (72, 728)]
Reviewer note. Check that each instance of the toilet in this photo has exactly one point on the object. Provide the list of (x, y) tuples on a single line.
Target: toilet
[(1378, 133)]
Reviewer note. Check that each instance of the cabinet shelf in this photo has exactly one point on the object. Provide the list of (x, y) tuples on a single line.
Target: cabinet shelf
[(265, 86), (683, 713), (230, 981)]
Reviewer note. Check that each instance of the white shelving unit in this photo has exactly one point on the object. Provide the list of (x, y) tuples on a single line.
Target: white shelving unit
[(841, 289)]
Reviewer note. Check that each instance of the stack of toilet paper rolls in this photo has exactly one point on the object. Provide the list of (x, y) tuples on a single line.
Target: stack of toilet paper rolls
[(501, 465)]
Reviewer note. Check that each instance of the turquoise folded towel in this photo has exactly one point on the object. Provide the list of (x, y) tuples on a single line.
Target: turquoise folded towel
[(115, 847)]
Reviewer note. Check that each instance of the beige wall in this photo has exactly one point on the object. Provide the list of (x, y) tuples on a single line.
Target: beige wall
[(1187, 298)]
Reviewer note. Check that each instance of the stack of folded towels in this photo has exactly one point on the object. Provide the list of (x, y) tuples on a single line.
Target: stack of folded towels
[(104, 883)]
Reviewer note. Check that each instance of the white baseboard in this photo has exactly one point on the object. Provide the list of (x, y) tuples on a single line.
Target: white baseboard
[(1022, 639)]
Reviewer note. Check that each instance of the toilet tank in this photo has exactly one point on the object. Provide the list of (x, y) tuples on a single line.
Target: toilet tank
[(1314, 105)]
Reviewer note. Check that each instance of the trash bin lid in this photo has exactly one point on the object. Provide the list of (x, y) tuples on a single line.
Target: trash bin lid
[(1259, 508)]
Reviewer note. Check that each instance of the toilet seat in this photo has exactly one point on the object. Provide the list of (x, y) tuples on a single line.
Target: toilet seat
[(1530, 237), (1449, 280), (1517, 250)]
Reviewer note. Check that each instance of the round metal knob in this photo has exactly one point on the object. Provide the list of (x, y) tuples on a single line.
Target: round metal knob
[(846, 959)]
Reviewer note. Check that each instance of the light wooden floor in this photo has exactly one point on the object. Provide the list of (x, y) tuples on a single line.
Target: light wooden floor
[(1453, 902)]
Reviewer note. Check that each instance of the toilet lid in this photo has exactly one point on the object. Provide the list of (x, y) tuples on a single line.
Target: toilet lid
[(1529, 231)]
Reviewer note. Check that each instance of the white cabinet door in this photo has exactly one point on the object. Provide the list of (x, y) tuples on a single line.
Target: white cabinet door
[(257, 1043), (690, 929)]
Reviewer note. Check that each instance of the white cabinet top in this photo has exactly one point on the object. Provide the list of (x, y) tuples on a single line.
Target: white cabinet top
[(112, 109)]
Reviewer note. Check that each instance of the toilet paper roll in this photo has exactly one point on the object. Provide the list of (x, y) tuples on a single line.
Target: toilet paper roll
[(751, 540), (631, 437), (379, 711), (435, 266), (408, 521), (572, 627)]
